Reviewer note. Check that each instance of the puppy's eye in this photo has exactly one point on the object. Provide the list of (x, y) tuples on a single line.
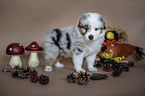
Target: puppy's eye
[(96, 29), (83, 30)]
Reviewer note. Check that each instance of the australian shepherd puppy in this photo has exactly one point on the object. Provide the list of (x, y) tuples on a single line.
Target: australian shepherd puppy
[(83, 41)]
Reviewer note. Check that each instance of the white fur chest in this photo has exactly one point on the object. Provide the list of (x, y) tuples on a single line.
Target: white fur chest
[(93, 47)]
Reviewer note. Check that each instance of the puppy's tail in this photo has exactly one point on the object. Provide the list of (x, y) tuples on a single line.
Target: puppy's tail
[(139, 54)]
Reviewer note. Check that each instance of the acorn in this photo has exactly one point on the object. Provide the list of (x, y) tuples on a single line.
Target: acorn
[(71, 78), (83, 78), (43, 79)]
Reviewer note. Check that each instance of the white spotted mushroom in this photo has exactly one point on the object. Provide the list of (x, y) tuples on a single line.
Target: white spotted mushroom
[(15, 50), (34, 48)]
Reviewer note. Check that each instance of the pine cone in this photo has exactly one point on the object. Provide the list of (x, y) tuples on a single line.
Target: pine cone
[(119, 67), (43, 79), (34, 77), (28, 71), (6, 68), (98, 64), (83, 78), (71, 78), (106, 67), (34, 71), (14, 73), (116, 73), (131, 64), (17, 67), (22, 74), (125, 68), (98, 76)]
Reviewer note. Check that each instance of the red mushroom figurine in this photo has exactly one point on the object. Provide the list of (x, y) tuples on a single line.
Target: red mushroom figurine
[(15, 50), (33, 59)]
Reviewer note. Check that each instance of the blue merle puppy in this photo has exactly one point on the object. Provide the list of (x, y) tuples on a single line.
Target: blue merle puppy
[(83, 41)]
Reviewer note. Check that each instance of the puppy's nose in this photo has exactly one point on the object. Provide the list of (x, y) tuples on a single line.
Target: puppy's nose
[(91, 37)]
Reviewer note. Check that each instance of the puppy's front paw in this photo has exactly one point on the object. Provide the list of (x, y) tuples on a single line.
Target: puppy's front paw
[(48, 69), (80, 70), (92, 69), (58, 64)]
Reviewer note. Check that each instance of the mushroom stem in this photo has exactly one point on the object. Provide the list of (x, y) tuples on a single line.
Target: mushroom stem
[(33, 59), (15, 60)]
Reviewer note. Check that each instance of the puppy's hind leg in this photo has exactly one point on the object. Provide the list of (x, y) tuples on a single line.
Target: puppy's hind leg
[(51, 53), (48, 65), (58, 64)]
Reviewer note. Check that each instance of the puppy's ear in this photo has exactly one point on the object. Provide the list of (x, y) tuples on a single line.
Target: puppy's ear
[(102, 34), (84, 17), (101, 18)]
